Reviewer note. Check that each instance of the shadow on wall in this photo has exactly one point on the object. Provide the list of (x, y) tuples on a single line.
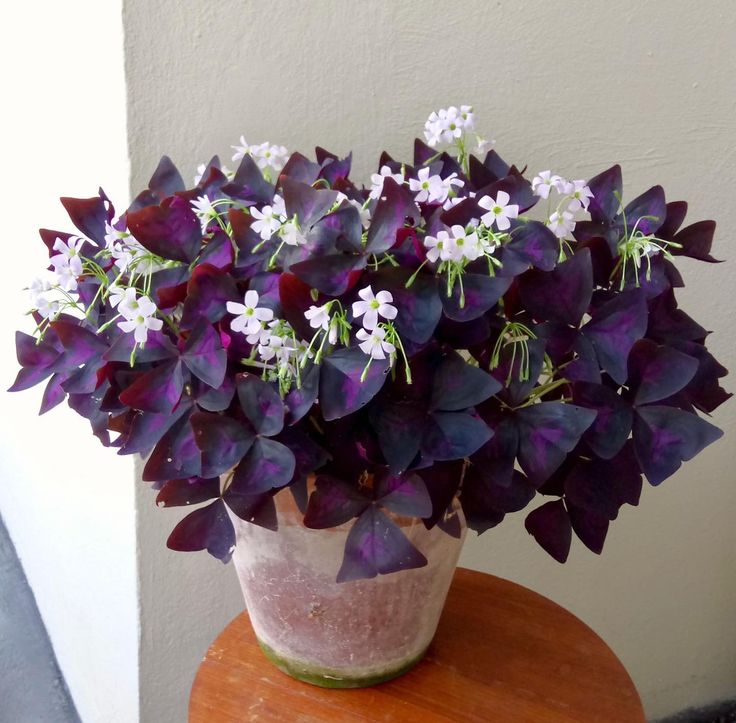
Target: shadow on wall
[(31, 686)]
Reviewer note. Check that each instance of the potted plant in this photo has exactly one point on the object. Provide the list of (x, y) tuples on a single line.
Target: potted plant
[(340, 378)]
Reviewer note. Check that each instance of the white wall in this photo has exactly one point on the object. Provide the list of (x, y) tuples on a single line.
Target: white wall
[(575, 87), (67, 502)]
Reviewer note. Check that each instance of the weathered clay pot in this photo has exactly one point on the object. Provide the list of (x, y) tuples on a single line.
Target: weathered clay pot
[(341, 635)]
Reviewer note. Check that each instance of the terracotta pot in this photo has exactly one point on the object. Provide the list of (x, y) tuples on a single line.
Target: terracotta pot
[(340, 635)]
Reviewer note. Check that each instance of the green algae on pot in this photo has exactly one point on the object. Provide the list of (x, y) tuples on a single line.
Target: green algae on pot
[(333, 634), (330, 678)]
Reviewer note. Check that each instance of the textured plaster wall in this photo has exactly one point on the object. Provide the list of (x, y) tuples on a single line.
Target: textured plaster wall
[(575, 88), (68, 503)]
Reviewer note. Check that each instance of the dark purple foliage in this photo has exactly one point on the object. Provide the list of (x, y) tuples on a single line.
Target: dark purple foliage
[(544, 367)]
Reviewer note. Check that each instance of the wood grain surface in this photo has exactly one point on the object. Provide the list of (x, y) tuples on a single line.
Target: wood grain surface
[(501, 653)]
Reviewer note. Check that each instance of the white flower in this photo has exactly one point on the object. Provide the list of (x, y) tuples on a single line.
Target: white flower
[(278, 344), (279, 206), (268, 221), (438, 247), (499, 210), (268, 156), (139, 315), (113, 236), (377, 180), (248, 315), (364, 211), (463, 245), (580, 195), (45, 296), (544, 182), (67, 263), (240, 151), (116, 294), (482, 146), (334, 331), (428, 188), (129, 251), (371, 307), (561, 223), (374, 343), (468, 117), (318, 316), (292, 234), (205, 211)]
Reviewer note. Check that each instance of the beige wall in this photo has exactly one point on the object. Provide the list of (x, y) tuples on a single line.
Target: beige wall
[(572, 86)]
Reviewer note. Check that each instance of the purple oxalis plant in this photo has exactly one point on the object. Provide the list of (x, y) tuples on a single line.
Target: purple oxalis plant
[(453, 330)]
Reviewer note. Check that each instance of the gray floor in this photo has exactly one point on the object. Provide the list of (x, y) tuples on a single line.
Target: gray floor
[(31, 687)]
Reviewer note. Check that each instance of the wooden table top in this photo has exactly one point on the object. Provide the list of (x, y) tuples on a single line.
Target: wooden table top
[(501, 653)]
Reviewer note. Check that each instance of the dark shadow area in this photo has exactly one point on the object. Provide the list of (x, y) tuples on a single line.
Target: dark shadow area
[(724, 712), (32, 689)]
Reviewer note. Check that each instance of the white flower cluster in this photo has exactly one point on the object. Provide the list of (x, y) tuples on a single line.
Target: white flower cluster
[(447, 125), (274, 339), (377, 180), (266, 155), (460, 245), (129, 255), (138, 311), (452, 126), (54, 291), (433, 189), (372, 336), (574, 195)]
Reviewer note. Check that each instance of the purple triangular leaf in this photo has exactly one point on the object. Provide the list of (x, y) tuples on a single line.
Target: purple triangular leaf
[(403, 494), (376, 545), (454, 435), (222, 440), (532, 244), (329, 274), (665, 437), (607, 188), (182, 492), (562, 294), (459, 385), (400, 427), (268, 465), (658, 372), (551, 528), (170, 230), (478, 294), (258, 509), (166, 179), (261, 404), (696, 241), (590, 528), (341, 389), (89, 216), (208, 292), (208, 528), (334, 502), (306, 203), (158, 390), (547, 432), (301, 399), (612, 424), (395, 205), (204, 356), (175, 456), (613, 329)]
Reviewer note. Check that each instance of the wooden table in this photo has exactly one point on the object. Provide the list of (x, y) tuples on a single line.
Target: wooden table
[(501, 653)]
